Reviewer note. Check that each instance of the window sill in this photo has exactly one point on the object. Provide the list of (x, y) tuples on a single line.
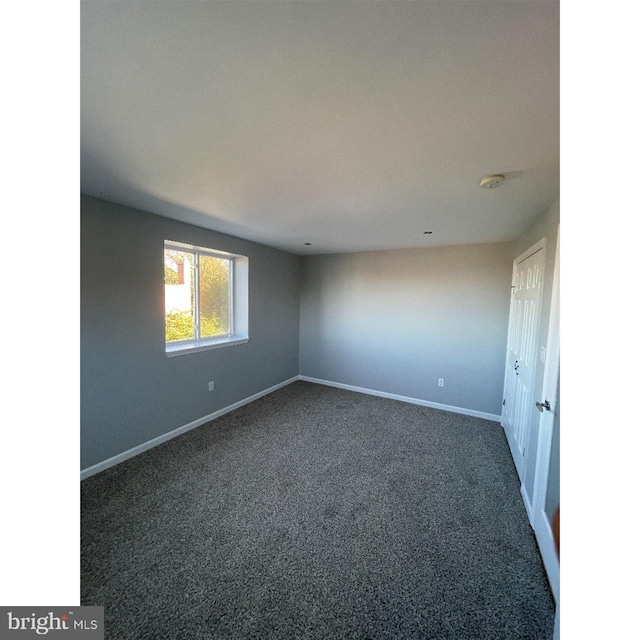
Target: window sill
[(182, 349)]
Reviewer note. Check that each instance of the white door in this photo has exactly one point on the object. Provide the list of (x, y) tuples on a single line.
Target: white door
[(522, 349), (549, 416)]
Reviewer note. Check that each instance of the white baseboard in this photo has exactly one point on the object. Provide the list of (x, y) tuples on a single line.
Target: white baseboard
[(393, 396), (145, 446)]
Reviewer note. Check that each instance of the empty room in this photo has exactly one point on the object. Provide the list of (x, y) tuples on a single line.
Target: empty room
[(320, 389)]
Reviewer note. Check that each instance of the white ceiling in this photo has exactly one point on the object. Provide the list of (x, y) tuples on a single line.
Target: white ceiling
[(352, 125)]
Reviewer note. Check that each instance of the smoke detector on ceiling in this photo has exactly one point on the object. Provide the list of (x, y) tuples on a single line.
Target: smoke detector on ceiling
[(491, 182)]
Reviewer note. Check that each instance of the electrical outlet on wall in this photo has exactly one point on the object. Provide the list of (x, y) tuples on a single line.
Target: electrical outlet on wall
[(212, 386), (441, 382)]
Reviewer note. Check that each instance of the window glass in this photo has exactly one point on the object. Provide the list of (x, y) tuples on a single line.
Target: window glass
[(179, 295), (214, 295), (206, 294)]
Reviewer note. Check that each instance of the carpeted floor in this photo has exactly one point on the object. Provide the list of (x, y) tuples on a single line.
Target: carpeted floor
[(317, 513)]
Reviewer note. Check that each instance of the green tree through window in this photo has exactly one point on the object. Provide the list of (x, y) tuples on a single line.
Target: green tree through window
[(197, 295)]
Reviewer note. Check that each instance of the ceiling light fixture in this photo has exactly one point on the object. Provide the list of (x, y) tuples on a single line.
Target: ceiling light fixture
[(308, 244), (491, 182)]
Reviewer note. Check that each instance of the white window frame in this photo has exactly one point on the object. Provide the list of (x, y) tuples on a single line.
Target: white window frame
[(238, 302)]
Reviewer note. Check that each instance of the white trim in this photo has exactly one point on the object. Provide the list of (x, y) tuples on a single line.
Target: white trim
[(145, 446), (216, 253), (547, 546), (527, 504), (172, 351), (392, 396)]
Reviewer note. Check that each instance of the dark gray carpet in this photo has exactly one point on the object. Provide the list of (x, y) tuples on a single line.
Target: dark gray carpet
[(317, 513)]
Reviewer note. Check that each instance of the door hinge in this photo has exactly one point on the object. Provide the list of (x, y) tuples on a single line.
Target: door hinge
[(504, 402)]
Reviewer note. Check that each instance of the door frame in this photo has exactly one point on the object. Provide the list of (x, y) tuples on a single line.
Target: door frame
[(536, 507), (540, 520)]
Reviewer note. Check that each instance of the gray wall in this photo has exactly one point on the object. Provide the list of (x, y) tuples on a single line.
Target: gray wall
[(392, 321), (545, 227), (396, 321), (130, 391)]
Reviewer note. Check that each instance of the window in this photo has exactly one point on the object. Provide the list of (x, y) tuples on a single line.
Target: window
[(206, 295)]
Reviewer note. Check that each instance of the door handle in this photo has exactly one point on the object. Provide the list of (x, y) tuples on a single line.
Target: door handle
[(516, 366), (541, 407)]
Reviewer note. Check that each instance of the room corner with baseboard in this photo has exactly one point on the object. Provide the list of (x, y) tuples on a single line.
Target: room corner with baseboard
[(299, 230)]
